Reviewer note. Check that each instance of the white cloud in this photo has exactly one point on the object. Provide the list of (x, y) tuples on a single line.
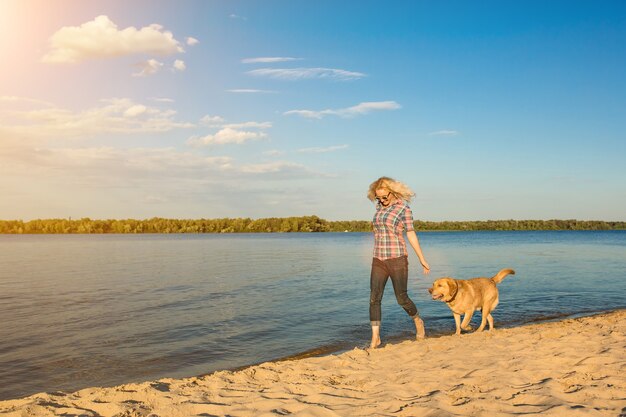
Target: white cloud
[(192, 41), (235, 16), (269, 60), (237, 133), (226, 135), (141, 168), (149, 67), (244, 125), (367, 107), (101, 38), (218, 121), (250, 91), (309, 114), (135, 110), (179, 65), (101, 165), (162, 99), (307, 73), (212, 120), (444, 133), (43, 170), (323, 150), (359, 109), (119, 115)]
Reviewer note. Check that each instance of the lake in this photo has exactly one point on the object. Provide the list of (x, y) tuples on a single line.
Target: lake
[(101, 310)]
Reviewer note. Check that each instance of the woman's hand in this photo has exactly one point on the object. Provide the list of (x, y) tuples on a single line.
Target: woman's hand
[(412, 236)]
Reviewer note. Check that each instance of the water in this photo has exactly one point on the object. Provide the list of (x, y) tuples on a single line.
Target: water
[(99, 310)]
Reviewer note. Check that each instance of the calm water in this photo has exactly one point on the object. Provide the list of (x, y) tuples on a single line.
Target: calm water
[(85, 310)]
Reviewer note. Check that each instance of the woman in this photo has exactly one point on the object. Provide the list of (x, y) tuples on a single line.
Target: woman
[(393, 216)]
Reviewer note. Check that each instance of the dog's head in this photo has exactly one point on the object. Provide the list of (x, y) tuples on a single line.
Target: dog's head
[(444, 289)]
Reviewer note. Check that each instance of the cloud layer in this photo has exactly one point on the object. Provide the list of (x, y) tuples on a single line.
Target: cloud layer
[(118, 115)]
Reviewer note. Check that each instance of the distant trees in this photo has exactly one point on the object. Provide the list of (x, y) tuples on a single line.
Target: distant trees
[(278, 225), (521, 225)]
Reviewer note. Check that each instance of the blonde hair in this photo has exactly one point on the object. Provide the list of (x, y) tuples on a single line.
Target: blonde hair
[(396, 188)]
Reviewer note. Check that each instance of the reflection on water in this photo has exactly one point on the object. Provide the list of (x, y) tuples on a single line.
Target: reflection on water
[(85, 310)]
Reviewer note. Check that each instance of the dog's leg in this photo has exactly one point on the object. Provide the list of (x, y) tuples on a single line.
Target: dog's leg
[(466, 320), (457, 321), (489, 316), (486, 313)]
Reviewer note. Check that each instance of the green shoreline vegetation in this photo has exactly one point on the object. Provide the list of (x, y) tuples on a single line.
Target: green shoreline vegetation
[(279, 225)]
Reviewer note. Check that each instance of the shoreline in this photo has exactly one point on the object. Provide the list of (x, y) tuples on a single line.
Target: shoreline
[(342, 347), (411, 377)]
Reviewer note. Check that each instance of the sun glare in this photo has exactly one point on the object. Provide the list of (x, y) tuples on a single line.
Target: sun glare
[(7, 21)]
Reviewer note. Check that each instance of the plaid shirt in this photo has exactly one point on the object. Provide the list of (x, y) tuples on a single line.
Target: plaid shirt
[(388, 224)]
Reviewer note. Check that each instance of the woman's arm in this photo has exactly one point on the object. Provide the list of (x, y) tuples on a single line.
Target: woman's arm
[(415, 244)]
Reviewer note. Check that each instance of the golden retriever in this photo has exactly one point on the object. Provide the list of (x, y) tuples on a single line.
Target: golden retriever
[(467, 296)]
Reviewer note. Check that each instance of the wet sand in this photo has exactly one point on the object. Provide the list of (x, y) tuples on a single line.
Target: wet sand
[(572, 367)]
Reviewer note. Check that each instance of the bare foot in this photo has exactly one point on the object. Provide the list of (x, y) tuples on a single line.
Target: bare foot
[(375, 343), (375, 337), (419, 328)]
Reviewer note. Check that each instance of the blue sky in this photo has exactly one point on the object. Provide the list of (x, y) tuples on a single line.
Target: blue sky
[(206, 109)]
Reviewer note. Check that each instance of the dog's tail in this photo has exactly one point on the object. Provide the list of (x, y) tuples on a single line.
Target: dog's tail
[(500, 275)]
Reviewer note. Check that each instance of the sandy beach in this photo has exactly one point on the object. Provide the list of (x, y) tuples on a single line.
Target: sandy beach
[(573, 367)]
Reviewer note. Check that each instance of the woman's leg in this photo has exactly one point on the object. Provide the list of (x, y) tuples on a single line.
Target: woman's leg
[(378, 279), (399, 271)]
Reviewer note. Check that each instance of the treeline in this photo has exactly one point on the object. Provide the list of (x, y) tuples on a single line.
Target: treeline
[(521, 225), (278, 225)]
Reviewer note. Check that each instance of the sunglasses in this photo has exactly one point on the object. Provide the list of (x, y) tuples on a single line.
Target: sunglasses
[(383, 198)]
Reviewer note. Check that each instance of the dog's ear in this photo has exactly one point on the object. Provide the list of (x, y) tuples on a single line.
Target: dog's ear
[(454, 287)]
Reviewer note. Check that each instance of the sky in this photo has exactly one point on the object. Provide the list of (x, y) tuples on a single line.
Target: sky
[(230, 108)]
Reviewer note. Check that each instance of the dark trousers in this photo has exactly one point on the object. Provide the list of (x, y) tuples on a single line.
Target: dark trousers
[(398, 270)]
